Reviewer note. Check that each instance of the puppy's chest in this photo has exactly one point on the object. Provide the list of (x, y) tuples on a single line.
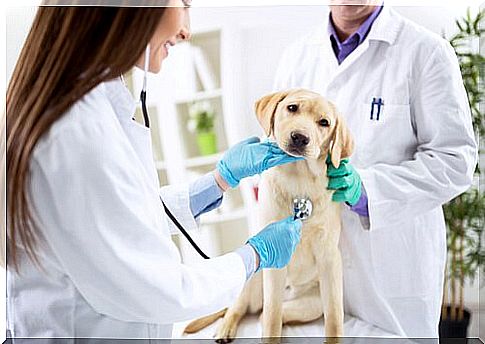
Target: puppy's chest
[(302, 269), (298, 181), (290, 182)]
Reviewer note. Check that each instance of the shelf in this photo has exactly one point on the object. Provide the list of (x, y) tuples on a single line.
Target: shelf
[(198, 96), (203, 160), (213, 218), (160, 165), (162, 177), (205, 33)]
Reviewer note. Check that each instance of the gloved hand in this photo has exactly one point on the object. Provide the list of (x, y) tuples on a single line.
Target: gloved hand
[(276, 243), (345, 180), (251, 157)]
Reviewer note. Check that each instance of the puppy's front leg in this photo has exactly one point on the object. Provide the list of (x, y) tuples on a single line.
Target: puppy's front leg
[(273, 287), (330, 280)]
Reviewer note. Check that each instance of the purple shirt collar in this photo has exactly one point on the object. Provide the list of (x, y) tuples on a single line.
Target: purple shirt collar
[(343, 49)]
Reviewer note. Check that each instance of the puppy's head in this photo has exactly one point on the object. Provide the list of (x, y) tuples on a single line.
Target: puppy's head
[(304, 124)]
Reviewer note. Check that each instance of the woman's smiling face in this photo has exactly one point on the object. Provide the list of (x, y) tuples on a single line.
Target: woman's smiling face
[(174, 26)]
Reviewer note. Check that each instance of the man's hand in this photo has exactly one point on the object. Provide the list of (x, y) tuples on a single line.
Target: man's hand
[(345, 181)]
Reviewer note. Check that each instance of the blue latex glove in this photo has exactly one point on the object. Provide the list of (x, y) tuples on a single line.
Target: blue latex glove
[(251, 157), (276, 243), (345, 181)]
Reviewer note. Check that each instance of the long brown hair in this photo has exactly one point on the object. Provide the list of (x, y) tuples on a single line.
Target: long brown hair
[(68, 51)]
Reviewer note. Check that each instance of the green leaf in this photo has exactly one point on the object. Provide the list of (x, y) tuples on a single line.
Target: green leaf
[(464, 215), (459, 25)]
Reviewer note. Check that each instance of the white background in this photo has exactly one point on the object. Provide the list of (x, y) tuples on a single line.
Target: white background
[(267, 31)]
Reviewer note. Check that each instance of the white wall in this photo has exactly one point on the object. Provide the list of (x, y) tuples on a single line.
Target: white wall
[(18, 20)]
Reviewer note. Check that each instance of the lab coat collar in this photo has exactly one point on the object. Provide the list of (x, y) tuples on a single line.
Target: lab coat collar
[(120, 98), (385, 28)]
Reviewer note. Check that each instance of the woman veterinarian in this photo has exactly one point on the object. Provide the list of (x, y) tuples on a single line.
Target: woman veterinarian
[(89, 246)]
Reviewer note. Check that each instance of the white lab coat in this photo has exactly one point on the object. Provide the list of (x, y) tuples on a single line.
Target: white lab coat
[(420, 154), (111, 269)]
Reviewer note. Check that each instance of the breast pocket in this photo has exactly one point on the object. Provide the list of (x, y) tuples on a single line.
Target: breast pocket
[(385, 133)]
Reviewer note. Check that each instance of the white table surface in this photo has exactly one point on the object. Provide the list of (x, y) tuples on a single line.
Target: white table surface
[(250, 328)]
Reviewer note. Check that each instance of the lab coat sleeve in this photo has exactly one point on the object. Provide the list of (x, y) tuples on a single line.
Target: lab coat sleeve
[(177, 199), (446, 153), (104, 224), (203, 195)]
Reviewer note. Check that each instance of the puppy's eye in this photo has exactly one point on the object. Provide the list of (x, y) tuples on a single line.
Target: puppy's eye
[(292, 108), (323, 122)]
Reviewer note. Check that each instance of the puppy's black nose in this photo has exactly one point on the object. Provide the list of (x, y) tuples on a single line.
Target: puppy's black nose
[(298, 139)]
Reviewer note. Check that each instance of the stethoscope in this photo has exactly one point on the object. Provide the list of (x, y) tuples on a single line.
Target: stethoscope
[(146, 120), (302, 207)]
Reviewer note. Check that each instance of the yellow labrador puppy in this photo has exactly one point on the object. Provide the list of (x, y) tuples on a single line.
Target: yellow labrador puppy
[(304, 124)]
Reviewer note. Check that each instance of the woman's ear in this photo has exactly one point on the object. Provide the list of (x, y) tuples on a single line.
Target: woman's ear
[(265, 109), (342, 142)]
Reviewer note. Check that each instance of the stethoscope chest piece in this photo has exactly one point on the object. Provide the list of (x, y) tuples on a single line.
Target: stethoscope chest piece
[(302, 208)]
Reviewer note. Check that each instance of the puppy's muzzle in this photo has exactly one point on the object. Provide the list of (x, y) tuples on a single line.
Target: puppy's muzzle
[(298, 143)]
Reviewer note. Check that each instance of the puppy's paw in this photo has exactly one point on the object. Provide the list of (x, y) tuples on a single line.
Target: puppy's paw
[(333, 331), (226, 332)]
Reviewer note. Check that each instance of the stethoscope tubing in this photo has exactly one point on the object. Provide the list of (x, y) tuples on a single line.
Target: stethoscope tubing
[(184, 232), (146, 119)]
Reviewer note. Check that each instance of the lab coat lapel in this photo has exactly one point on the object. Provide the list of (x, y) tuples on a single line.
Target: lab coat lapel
[(384, 29), (386, 26), (327, 61), (139, 136)]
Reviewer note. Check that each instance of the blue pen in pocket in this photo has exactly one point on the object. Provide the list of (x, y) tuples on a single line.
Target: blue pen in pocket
[(380, 103)]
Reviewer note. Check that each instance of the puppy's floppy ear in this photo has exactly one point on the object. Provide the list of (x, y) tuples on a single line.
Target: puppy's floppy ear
[(343, 143), (265, 109)]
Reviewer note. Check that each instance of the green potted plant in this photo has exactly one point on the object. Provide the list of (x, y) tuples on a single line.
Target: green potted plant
[(201, 122), (464, 214)]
